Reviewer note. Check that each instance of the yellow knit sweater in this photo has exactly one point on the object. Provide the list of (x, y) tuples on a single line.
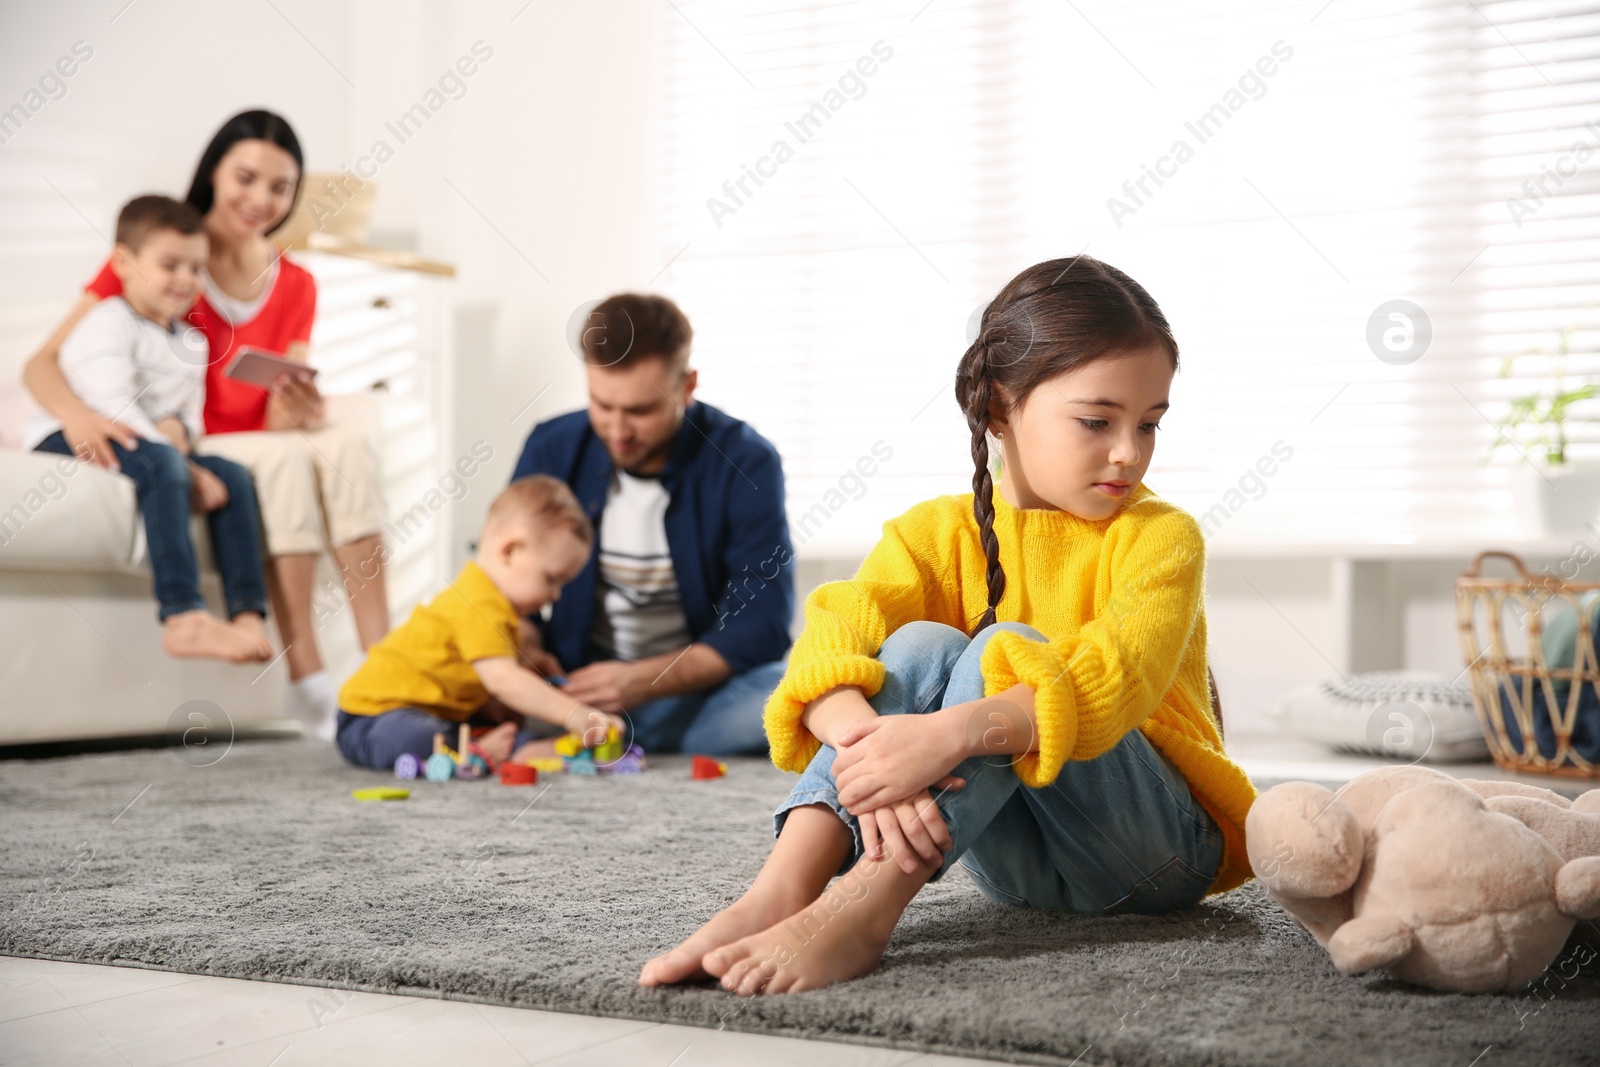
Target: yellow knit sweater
[(1121, 599)]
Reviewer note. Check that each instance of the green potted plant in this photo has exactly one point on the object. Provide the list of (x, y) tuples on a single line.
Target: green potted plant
[(1553, 493)]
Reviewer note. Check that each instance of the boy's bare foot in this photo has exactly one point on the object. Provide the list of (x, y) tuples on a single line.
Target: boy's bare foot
[(545, 749), (812, 846), (497, 743), (199, 635), (254, 627), (839, 935)]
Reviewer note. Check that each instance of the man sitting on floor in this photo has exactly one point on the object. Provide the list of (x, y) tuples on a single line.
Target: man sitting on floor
[(681, 617)]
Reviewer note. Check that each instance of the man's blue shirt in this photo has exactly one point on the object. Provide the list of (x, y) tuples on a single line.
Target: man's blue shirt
[(727, 531)]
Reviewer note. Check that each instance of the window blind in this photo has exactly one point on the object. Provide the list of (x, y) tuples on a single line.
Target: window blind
[(845, 184)]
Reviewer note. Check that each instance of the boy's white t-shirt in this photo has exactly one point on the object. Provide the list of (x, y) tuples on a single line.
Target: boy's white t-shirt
[(130, 369), (637, 609)]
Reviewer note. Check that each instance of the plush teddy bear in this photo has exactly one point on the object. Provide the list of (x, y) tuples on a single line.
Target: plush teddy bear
[(1455, 884)]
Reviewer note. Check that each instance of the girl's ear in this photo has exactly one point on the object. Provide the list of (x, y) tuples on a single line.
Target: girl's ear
[(999, 417)]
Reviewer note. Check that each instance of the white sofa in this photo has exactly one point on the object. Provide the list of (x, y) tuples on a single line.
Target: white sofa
[(80, 644)]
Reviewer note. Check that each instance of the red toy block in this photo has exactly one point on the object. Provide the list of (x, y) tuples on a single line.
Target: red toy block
[(706, 767), (518, 774)]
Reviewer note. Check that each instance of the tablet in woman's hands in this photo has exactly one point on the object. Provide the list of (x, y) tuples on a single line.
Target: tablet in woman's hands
[(260, 367)]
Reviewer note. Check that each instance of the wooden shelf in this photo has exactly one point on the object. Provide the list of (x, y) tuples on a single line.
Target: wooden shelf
[(395, 258)]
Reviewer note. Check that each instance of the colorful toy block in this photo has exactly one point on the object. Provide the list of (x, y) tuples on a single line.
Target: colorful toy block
[(630, 762), (609, 752), (382, 792), (440, 768), (581, 764), (706, 767), (518, 774)]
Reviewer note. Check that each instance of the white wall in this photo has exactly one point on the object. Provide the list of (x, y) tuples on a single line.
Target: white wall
[(536, 182), (551, 155), (134, 118)]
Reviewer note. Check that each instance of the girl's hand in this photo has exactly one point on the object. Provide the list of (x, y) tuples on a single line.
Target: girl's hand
[(890, 757), (207, 492), (89, 434), (909, 829)]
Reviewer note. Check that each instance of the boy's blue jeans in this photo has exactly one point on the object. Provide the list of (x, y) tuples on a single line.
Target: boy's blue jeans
[(376, 741), (160, 476), (723, 721), (1118, 833)]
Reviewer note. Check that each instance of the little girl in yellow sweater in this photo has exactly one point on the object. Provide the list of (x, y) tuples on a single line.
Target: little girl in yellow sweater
[(1069, 755)]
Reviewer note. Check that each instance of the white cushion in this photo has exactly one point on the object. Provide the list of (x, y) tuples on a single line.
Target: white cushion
[(1410, 715), (63, 515), (16, 405)]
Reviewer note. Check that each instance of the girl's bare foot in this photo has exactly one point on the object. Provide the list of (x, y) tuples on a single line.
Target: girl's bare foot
[(813, 844), (839, 935), (254, 627), (199, 635), (758, 909), (497, 743)]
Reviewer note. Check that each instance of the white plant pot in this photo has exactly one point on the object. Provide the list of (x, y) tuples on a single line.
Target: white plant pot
[(1556, 501)]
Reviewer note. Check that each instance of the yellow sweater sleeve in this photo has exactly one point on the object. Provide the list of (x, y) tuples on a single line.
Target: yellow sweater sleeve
[(1091, 688), (846, 623)]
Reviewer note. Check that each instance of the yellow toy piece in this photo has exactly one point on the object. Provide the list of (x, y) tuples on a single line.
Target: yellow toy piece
[(569, 745), (548, 764), (382, 792)]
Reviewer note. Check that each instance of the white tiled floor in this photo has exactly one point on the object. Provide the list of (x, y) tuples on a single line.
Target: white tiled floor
[(70, 1013), (60, 1013)]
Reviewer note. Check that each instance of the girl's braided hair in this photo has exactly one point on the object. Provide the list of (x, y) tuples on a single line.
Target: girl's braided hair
[(1054, 317)]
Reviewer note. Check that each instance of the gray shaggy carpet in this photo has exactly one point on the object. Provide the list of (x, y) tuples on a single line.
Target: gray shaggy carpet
[(253, 861)]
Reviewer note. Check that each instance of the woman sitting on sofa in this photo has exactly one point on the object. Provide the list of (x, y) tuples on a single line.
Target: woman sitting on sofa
[(310, 477)]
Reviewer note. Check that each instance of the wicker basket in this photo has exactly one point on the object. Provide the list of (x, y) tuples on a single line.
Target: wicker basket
[(1496, 669)]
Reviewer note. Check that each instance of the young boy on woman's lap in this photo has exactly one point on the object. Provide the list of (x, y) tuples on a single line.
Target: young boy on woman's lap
[(1075, 765)]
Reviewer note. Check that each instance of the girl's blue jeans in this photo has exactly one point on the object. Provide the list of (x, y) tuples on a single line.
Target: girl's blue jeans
[(1118, 833)]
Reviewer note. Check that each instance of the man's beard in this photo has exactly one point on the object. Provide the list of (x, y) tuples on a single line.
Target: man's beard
[(644, 460)]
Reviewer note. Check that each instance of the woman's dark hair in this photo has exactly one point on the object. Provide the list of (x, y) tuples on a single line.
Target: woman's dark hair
[(1054, 317), (245, 126)]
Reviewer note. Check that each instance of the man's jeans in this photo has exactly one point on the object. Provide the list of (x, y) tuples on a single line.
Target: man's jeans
[(725, 721)]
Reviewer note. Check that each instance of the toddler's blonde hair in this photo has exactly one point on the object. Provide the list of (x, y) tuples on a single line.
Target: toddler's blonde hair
[(540, 503)]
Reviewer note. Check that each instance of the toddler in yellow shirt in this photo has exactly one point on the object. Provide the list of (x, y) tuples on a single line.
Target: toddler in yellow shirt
[(1015, 678), (441, 666)]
